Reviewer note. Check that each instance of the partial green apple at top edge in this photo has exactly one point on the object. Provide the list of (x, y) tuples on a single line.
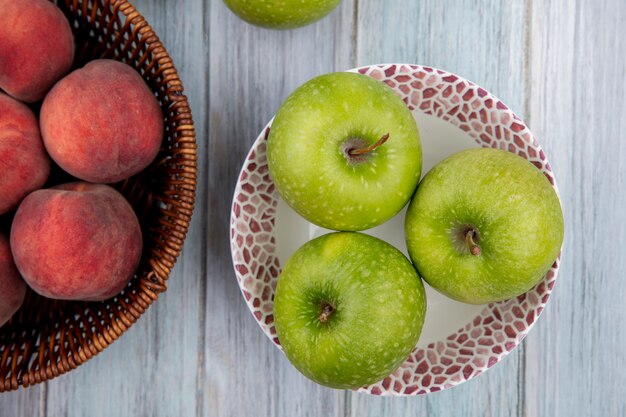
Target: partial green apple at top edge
[(484, 225), (348, 309), (281, 14), (344, 152)]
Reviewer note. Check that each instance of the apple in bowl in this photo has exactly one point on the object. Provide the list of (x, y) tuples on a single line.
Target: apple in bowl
[(344, 152), (484, 225), (349, 308)]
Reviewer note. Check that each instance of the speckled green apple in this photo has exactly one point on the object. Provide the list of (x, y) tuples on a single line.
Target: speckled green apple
[(344, 152), (348, 309), (281, 14), (484, 225)]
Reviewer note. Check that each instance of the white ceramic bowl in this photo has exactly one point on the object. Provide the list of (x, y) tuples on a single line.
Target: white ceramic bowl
[(459, 341)]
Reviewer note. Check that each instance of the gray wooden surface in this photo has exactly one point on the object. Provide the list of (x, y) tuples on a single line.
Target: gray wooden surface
[(560, 64)]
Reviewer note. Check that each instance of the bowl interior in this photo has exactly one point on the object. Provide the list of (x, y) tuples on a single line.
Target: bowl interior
[(459, 341), (444, 315)]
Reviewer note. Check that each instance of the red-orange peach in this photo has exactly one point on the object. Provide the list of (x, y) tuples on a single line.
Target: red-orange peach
[(76, 241), (36, 47), (102, 123), (24, 164), (12, 287)]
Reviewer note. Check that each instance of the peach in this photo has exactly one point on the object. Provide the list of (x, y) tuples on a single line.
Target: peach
[(24, 164), (102, 123), (76, 241), (12, 287), (36, 48)]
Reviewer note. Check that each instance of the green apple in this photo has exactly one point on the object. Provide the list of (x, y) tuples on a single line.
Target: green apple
[(281, 14), (484, 225), (348, 309), (344, 152)]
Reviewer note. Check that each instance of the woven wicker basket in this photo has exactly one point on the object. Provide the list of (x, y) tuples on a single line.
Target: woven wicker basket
[(47, 338)]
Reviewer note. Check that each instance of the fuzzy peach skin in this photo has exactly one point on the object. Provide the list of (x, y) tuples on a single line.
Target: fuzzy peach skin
[(102, 123), (12, 286), (76, 241), (24, 163), (36, 48)]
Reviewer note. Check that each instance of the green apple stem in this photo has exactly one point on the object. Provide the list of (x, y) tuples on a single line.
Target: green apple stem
[(370, 148), (473, 247), (327, 310)]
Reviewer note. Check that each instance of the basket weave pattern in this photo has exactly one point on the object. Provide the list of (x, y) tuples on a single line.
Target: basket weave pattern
[(47, 338)]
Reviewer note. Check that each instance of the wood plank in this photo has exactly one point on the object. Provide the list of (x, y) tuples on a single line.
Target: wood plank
[(484, 42), (576, 361), (153, 369), (252, 70), (24, 402)]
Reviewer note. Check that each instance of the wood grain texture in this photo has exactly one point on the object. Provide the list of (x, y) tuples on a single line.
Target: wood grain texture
[(576, 358), (558, 63), (24, 402), (252, 70)]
